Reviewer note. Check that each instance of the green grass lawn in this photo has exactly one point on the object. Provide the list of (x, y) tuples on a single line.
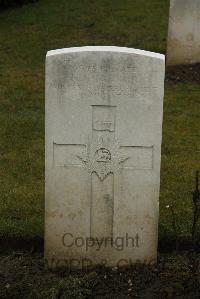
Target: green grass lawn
[(26, 34)]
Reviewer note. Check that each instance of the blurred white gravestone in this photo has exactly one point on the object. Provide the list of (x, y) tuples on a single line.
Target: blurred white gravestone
[(184, 32), (104, 110)]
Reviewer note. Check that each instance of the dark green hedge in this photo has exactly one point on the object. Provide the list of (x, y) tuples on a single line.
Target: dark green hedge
[(12, 3)]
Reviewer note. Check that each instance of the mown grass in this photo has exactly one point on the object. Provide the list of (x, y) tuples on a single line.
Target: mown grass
[(26, 34), (180, 156)]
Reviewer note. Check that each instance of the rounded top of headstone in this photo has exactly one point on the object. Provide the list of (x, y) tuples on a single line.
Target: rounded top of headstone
[(106, 49)]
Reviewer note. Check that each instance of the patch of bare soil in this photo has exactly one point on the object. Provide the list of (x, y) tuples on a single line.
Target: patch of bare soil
[(22, 275), (184, 73)]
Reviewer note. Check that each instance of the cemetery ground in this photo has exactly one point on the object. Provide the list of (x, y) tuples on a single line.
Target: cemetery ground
[(26, 34)]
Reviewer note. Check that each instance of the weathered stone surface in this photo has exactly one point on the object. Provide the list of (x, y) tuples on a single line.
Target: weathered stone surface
[(184, 32), (103, 147)]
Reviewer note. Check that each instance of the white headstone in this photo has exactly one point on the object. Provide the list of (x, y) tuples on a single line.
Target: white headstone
[(104, 109), (184, 32)]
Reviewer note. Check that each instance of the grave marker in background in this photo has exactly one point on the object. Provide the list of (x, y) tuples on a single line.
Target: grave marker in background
[(184, 32)]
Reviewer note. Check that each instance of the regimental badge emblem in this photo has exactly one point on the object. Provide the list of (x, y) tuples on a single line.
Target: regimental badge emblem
[(103, 156)]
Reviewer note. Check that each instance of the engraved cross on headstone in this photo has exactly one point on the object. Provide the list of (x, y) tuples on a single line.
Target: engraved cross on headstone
[(103, 157)]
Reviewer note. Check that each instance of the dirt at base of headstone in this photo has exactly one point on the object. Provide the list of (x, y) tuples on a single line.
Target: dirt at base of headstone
[(183, 73), (22, 275)]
